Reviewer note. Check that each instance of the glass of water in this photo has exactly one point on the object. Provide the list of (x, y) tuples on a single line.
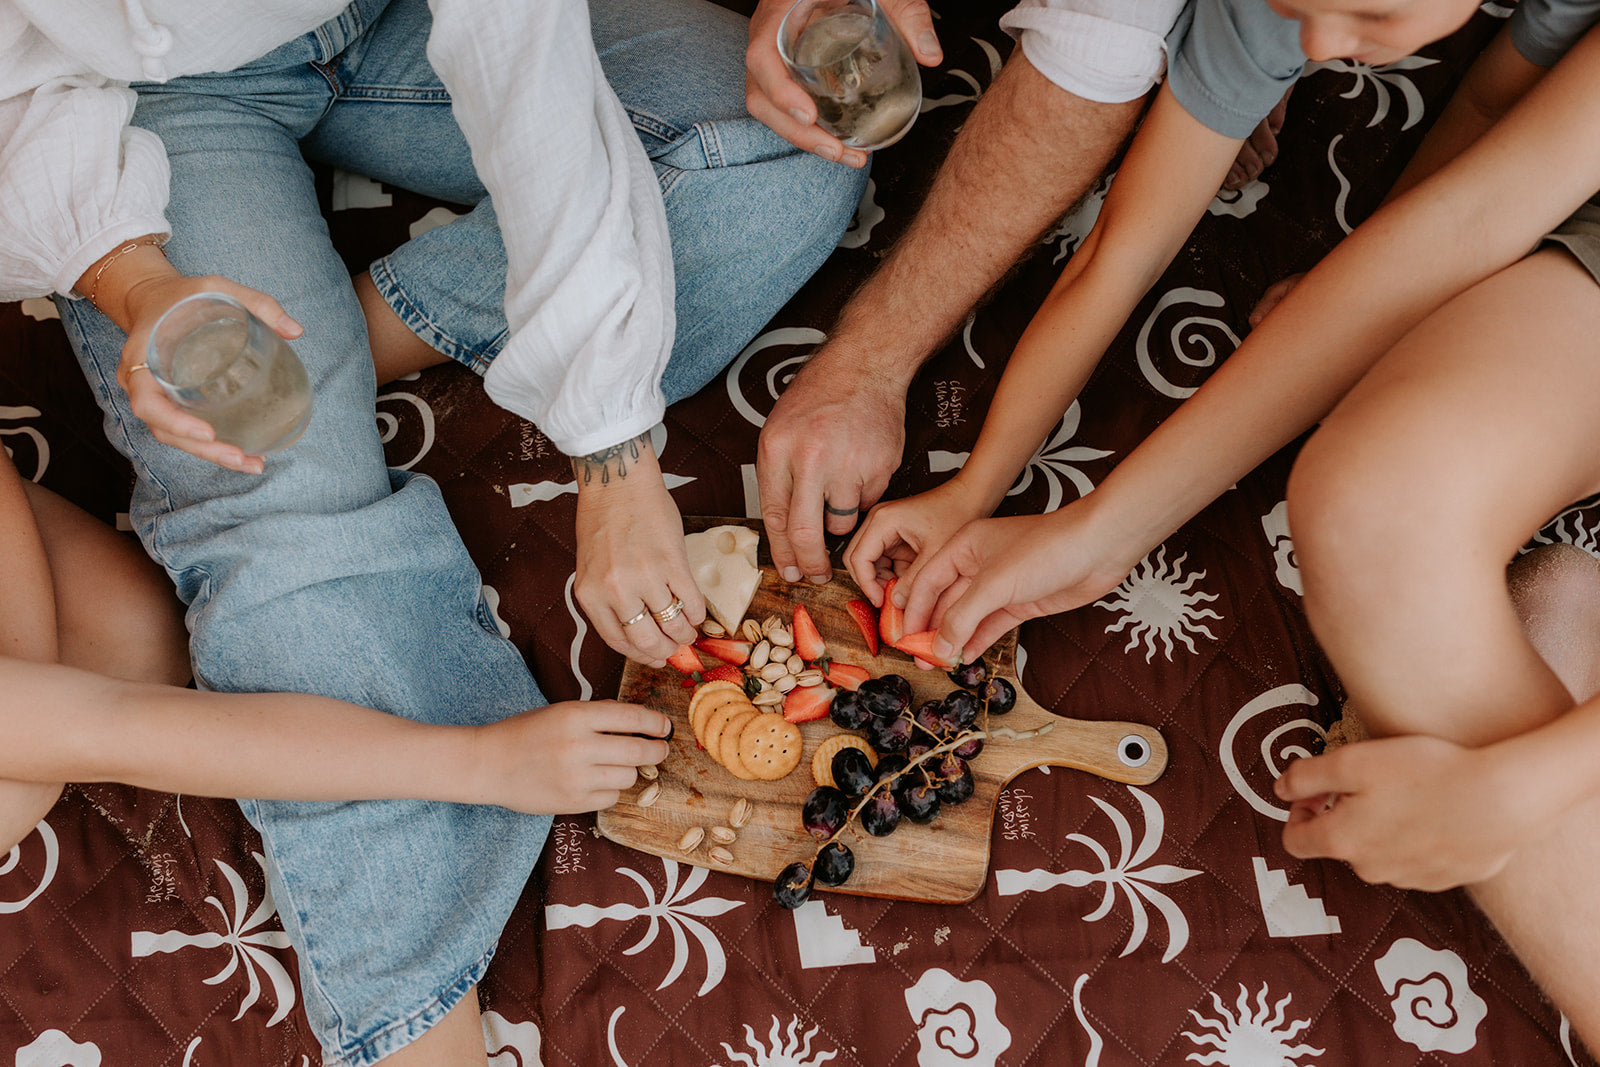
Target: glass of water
[(218, 361), (857, 68)]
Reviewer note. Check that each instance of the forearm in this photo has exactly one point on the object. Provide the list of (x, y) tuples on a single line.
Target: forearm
[(61, 724), (1026, 155)]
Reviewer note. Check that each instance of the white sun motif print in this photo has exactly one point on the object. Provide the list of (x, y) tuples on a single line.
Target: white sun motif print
[(790, 1049), (1159, 603), (1262, 1037)]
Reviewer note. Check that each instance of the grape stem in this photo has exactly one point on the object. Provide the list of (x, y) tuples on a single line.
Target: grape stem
[(938, 750)]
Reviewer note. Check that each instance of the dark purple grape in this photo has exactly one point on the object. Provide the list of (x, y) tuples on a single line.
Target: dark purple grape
[(890, 735), (792, 886), (1000, 696), (961, 708), (848, 711), (902, 688), (824, 811), (917, 748), (957, 783), (891, 765), (853, 773), (882, 697), (881, 814), (833, 864), (971, 675), (969, 749), (919, 802), (930, 718)]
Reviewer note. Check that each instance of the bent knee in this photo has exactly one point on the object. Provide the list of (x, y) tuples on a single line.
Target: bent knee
[(22, 806)]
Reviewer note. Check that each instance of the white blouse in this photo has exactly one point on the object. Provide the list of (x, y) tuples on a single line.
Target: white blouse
[(589, 291)]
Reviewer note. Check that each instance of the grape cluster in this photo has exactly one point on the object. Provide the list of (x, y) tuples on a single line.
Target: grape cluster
[(921, 767)]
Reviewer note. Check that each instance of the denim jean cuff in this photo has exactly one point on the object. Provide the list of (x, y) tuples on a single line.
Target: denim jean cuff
[(403, 1032), (427, 330)]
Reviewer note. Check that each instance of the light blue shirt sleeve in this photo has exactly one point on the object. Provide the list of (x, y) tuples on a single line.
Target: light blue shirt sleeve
[(1543, 30), (1231, 61)]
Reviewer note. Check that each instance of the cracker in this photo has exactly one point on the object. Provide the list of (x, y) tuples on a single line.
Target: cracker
[(719, 721), (770, 747), (822, 758), (728, 745), (706, 697), (704, 713)]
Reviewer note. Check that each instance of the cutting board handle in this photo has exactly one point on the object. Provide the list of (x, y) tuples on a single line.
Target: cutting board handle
[(1128, 752)]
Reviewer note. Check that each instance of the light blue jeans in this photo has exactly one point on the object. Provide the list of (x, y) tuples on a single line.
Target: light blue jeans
[(330, 574)]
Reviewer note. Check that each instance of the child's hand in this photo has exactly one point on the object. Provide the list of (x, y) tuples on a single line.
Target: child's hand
[(1414, 812), (996, 573), (570, 757), (901, 535)]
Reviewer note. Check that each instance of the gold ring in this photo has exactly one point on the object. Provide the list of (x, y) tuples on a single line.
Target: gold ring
[(136, 368), (670, 612), (638, 618)]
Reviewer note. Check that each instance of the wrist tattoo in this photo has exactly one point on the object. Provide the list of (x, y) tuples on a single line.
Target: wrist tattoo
[(608, 463)]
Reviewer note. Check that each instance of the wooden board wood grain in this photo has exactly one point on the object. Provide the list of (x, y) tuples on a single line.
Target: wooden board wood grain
[(945, 861)]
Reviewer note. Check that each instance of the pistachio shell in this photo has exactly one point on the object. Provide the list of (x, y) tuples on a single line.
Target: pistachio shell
[(740, 813), (721, 856), (786, 683), (760, 655), (723, 835), (691, 839), (712, 628), (651, 794)]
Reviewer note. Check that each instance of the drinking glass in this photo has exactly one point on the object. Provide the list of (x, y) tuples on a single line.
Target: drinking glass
[(218, 361), (856, 66)]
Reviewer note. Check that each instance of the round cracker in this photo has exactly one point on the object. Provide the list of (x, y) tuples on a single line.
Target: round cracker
[(719, 721), (703, 714), (706, 697), (822, 758), (770, 748), (728, 745)]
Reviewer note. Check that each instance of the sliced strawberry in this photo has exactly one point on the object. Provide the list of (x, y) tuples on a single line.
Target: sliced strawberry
[(807, 641), (807, 702), (685, 660), (921, 646), (726, 649), (846, 675), (724, 672), (866, 617), (891, 620)]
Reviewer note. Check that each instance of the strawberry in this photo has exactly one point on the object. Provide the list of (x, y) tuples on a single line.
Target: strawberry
[(724, 672), (866, 617), (807, 702), (921, 646), (685, 660), (891, 620), (846, 675), (807, 641), (726, 649)]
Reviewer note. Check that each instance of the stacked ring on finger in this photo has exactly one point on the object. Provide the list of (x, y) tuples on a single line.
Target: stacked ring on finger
[(670, 612)]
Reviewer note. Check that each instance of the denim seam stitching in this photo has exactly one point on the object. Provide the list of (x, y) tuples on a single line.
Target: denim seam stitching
[(417, 322), (711, 144), (654, 126), (465, 981), (396, 92)]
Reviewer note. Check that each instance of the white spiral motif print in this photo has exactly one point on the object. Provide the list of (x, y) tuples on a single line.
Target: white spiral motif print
[(778, 374), (52, 858), (1276, 750), (389, 424), (1187, 336)]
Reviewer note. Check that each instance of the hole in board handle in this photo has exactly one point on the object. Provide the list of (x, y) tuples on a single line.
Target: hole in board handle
[(1133, 751)]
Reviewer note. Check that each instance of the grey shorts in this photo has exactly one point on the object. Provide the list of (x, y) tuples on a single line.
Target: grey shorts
[(1580, 235)]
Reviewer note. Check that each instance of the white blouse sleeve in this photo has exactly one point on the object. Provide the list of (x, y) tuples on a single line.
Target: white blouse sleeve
[(589, 289), (75, 181)]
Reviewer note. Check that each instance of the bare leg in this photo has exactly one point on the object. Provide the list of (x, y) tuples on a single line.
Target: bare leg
[(455, 1041), (1555, 590), (1477, 427), (396, 351)]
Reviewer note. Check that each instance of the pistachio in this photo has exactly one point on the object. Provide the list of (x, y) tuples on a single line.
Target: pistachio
[(721, 856), (769, 624), (649, 771), (767, 698), (751, 630), (712, 628), (781, 637), (723, 835), (691, 839), (740, 813), (808, 678), (760, 654), (773, 671), (786, 683), (651, 794), (794, 665)]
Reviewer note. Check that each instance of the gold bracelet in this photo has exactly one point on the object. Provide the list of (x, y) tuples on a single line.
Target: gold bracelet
[(153, 240)]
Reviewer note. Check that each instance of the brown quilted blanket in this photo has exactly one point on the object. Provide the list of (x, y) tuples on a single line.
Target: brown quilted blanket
[(1119, 925)]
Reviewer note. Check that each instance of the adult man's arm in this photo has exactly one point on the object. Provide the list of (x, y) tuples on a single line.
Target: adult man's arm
[(1028, 153)]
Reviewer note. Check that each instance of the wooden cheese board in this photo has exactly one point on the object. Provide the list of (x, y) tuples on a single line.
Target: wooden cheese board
[(945, 861)]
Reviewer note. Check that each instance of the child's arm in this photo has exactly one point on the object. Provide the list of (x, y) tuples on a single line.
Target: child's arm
[(1456, 228), (1426, 813), (61, 724), (1172, 170)]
